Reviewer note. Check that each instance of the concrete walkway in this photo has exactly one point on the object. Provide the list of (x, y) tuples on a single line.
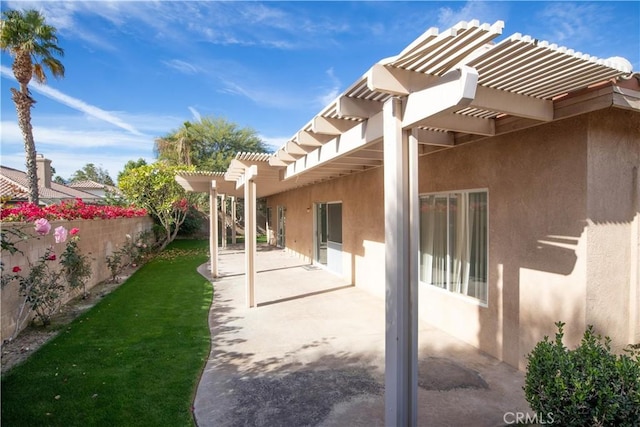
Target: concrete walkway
[(312, 354)]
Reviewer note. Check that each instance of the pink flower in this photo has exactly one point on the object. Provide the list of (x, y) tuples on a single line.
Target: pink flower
[(74, 231), (17, 269), (52, 257), (42, 226), (60, 234)]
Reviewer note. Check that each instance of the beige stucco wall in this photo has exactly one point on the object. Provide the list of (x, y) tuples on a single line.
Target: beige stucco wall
[(543, 185), (536, 186), (98, 239), (362, 227), (612, 237)]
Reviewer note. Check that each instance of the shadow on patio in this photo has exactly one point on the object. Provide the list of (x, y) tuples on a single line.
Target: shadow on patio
[(312, 353)]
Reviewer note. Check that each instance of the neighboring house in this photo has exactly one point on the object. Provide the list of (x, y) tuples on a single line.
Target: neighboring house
[(501, 178), (95, 188), (14, 186)]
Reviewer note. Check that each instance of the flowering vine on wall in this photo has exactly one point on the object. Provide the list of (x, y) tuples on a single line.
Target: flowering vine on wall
[(76, 209), (43, 282)]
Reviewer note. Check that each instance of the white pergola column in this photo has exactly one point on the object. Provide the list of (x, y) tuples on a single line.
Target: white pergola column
[(223, 204), (401, 268), (213, 229), (233, 220), (250, 233)]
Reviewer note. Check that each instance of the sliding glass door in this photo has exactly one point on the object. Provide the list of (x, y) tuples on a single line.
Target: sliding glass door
[(328, 235)]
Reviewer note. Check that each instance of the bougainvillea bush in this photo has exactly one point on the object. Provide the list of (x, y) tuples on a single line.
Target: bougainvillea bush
[(45, 279), (76, 209)]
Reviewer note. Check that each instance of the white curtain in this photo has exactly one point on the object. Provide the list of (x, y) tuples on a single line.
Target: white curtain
[(478, 246), (459, 238), (453, 242), (433, 240)]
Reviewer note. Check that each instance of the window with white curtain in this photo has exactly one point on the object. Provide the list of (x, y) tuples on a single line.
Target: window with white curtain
[(453, 242)]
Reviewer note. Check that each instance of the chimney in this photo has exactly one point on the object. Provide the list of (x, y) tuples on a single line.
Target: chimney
[(43, 168)]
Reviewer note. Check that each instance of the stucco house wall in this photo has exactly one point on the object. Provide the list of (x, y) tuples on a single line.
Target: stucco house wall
[(537, 208), (362, 224), (563, 222), (613, 214)]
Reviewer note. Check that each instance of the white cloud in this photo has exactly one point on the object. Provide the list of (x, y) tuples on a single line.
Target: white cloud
[(67, 163), (274, 142), (264, 96), (61, 15), (195, 113), (488, 12), (334, 90), (575, 23), (182, 66), (75, 103)]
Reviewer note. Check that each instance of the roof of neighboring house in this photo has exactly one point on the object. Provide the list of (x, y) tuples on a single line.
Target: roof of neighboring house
[(87, 184), (11, 189), (92, 185), (13, 183)]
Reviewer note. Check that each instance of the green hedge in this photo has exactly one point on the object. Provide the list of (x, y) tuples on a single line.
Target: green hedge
[(588, 386)]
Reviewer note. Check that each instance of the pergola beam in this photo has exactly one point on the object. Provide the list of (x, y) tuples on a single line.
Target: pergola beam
[(357, 137), (431, 137), (458, 123), (397, 81), (400, 82), (331, 126), (312, 139), (277, 162), (285, 156), (458, 85), (357, 108), (513, 104), (295, 149)]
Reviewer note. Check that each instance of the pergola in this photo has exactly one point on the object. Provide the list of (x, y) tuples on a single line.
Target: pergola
[(443, 90)]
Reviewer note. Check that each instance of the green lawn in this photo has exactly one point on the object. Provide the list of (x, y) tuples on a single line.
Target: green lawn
[(132, 360)]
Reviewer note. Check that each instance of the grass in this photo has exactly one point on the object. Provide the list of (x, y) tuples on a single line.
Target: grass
[(261, 238), (134, 359)]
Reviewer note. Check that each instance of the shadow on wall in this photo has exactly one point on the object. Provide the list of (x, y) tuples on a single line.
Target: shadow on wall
[(539, 287)]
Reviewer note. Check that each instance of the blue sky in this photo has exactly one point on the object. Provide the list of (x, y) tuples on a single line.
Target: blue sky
[(137, 70)]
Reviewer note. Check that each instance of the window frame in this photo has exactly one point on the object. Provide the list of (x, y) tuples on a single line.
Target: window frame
[(447, 289)]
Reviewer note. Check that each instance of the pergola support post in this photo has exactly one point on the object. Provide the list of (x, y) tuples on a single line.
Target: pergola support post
[(250, 233), (223, 209), (233, 220), (401, 268), (213, 229)]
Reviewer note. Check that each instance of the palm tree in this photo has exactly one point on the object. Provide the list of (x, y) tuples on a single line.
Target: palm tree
[(176, 147), (32, 44)]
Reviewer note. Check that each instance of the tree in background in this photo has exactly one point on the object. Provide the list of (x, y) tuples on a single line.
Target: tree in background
[(209, 144), (91, 172), (176, 147), (32, 44), (154, 188), (131, 164)]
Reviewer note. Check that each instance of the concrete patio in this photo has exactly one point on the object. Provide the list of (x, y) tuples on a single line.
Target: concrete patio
[(312, 354)]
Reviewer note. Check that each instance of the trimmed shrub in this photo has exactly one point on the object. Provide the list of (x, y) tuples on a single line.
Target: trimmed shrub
[(588, 386)]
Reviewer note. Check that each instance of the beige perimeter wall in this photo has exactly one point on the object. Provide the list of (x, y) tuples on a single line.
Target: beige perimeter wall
[(98, 239), (563, 232)]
